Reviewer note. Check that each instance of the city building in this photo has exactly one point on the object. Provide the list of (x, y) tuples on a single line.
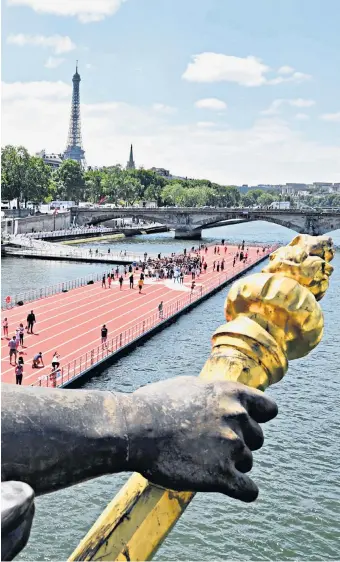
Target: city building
[(52, 160), (161, 172), (130, 165), (74, 149)]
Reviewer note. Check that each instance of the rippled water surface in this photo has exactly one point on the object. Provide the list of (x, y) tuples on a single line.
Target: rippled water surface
[(297, 514)]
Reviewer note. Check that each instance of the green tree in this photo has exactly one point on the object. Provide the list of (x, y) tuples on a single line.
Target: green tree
[(14, 166), (265, 200), (93, 185), (70, 181), (38, 176), (112, 180)]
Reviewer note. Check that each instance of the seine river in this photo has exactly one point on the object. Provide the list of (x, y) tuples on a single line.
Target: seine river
[(297, 514)]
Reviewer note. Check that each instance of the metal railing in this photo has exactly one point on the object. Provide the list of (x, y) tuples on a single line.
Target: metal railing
[(78, 231), (96, 355), (37, 294), (126, 257)]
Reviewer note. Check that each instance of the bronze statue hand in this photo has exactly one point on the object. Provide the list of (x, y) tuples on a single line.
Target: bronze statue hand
[(17, 510), (187, 434)]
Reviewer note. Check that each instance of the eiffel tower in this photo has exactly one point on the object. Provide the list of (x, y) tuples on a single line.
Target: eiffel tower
[(74, 149)]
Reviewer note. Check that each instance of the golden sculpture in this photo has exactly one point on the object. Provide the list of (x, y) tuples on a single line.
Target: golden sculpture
[(310, 271), (271, 317), (321, 246)]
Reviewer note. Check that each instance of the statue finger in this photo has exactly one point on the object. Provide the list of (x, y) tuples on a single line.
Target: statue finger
[(259, 406), (239, 486)]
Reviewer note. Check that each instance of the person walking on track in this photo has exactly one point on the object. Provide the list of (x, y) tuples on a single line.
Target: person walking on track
[(131, 281), (19, 371), (104, 332), (140, 285), (12, 344), (31, 319), (121, 279), (104, 281), (109, 279), (160, 310), (5, 327), (21, 334)]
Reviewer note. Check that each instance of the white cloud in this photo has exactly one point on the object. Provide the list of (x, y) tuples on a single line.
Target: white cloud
[(59, 43), (211, 103), (248, 71), (37, 115), (285, 70), (35, 91), (300, 102), (205, 124), (331, 117), (53, 62), (276, 105), (162, 108), (85, 10), (215, 67), (302, 117), (296, 77), (89, 66)]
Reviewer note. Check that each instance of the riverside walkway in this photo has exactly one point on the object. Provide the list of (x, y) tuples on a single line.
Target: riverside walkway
[(26, 247), (70, 323)]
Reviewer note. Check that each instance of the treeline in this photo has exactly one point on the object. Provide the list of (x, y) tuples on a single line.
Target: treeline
[(28, 178)]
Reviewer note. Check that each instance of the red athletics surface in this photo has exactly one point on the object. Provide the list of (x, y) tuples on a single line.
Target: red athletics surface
[(70, 323)]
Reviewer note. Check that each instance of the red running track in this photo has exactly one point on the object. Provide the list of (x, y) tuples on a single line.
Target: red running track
[(70, 323)]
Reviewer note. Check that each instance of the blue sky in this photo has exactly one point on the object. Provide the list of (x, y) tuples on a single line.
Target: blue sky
[(239, 92)]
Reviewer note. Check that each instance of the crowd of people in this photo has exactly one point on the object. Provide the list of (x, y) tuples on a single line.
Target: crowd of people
[(16, 350), (175, 267)]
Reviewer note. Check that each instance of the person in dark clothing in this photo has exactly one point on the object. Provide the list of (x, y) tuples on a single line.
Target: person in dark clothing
[(103, 333), (121, 279), (19, 369), (30, 321), (131, 281)]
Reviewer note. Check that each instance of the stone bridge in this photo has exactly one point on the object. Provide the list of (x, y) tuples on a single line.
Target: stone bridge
[(189, 222)]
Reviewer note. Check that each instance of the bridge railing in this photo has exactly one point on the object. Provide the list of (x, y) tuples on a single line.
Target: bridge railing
[(77, 231), (77, 367)]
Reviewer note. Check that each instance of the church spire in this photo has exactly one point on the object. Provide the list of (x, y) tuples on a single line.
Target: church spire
[(130, 164)]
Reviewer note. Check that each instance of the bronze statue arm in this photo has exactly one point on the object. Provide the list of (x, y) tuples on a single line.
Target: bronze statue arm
[(53, 438), (183, 432)]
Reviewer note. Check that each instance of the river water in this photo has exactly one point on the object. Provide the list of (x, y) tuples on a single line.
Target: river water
[(297, 514)]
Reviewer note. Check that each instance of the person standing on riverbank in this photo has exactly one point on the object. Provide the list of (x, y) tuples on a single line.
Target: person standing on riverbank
[(31, 319)]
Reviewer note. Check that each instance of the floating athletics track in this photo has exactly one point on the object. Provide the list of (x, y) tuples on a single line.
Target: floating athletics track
[(70, 323)]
